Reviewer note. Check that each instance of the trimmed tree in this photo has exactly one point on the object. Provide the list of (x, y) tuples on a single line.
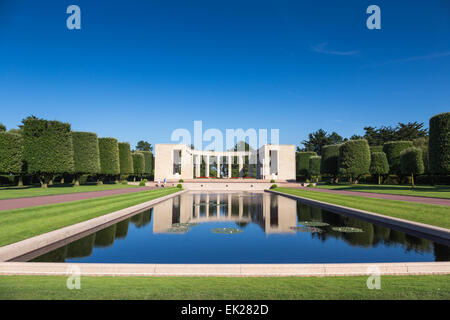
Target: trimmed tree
[(47, 148), (354, 158), (330, 160), (392, 150), (148, 162), (439, 144), (379, 164), (314, 167), (86, 155), (11, 148), (412, 162), (138, 163), (302, 162), (109, 157), (125, 159), (376, 149)]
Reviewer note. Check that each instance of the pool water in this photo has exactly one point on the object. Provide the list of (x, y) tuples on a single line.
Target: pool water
[(245, 228)]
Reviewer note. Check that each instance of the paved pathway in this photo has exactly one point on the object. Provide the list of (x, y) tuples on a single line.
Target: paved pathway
[(426, 200), (8, 204)]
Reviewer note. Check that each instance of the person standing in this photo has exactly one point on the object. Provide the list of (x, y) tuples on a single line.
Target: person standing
[(164, 182)]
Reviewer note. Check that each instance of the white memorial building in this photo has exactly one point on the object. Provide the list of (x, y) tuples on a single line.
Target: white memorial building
[(177, 161)]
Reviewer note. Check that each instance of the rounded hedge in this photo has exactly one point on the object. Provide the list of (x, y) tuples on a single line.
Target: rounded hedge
[(85, 152), (125, 158), (138, 163), (47, 147), (314, 166), (11, 145), (379, 163), (330, 160), (439, 144), (354, 158), (148, 161), (302, 162), (376, 149), (411, 160), (392, 150), (109, 156)]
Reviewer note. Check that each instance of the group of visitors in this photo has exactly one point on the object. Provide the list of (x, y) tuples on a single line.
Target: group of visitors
[(159, 184)]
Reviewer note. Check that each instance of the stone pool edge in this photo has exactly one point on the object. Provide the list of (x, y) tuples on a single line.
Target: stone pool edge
[(39, 242), (223, 270), (404, 225)]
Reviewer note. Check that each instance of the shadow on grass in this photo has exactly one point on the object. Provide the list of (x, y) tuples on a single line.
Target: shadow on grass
[(55, 186), (392, 188)]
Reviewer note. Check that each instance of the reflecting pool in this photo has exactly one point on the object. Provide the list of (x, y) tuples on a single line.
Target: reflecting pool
[(245, 228)]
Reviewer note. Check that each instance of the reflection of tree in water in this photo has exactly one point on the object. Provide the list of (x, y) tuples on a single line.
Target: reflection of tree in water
[(241, 224), (57, 255), (122, 229), (137, 220), (82, 247), (372, 234), (144, 218), (441, 252), (105, 237)]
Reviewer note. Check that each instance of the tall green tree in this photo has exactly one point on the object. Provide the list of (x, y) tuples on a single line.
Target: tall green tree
[(86, 154), (412, 163), (379, 165), (314, 167), (330, 160), (144, 146), (2, 127), (302, 162), (354, 158), (148, 162), (125, 159), (392, 150), (48, 148), (11, 148), (439, 144), (109, 158), (320, 138), (138, 163)]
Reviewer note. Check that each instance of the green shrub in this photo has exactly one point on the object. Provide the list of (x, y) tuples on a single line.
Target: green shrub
[(181, 180), (354, 158), (142, 183), (302, 162), (412, 163), (109, 156), (392, 150), (148, 162), (273, 186), (86, 156), (11, 146), (125, 158), (314, 166), (272, 181), (376, 149), (138, 163), (439, 144), (179, 186), (330, 160), (379, 164), (47, 148), (124, 182)]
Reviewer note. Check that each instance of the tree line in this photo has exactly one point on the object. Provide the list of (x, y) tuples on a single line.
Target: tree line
[(405, 150), (44, 149)]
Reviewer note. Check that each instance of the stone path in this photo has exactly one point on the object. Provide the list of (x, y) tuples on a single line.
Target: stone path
[(8, 204), (426, 200)]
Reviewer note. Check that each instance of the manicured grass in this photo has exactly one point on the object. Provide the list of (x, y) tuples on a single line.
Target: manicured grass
[(20, 224), (419, 191), (253, 288), (35, 191), (424, 213)]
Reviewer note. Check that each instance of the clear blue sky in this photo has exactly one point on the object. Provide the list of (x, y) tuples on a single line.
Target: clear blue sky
[(139, 69)]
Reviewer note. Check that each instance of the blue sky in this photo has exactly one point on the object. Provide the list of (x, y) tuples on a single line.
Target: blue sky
[(140, 69)]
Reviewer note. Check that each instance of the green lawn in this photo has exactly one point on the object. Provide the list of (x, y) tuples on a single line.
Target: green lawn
[(254, 288), (424, 213), (420, 191), (20, 224), (35, 191)]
